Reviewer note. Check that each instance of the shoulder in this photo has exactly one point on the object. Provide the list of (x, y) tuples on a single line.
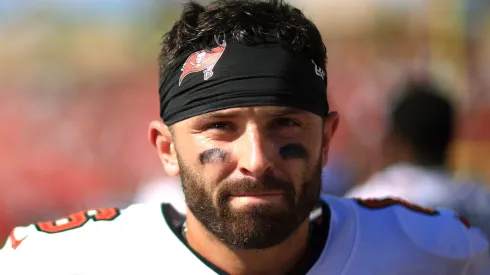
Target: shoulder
[(79, 235), (439, 233), (71, 226)]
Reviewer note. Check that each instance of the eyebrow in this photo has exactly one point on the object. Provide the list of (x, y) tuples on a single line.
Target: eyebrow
[(220, 115), (286, 111)]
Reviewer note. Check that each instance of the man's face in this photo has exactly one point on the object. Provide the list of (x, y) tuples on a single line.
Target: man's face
[(251, 175)]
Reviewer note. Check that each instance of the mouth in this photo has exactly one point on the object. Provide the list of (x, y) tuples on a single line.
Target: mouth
[(250, 199), (257, 194)]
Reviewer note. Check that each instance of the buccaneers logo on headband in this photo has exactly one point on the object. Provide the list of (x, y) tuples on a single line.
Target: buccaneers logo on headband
[(202, 61)]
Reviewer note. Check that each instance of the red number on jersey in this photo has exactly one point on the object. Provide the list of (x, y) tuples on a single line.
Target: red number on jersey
[(382, 203), (78, 219)]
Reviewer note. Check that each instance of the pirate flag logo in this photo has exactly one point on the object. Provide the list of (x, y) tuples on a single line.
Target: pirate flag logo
[(202, 61)]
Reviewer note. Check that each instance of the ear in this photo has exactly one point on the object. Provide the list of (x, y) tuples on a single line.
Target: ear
[(160, 136), (329, 127)]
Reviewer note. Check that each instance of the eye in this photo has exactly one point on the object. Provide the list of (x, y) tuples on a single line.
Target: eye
[(222, 126), (286, 122)]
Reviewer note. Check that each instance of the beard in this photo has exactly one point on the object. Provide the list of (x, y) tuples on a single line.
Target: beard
[(260, 226)]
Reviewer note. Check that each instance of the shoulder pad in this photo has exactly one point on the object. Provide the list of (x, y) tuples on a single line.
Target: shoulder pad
[(445, 234), (50, 231), (439, 231)]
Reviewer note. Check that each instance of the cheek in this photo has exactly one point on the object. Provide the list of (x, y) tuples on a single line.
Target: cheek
[(214, 174)]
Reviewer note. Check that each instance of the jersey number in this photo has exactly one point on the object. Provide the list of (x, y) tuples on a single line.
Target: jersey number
[(382, 203), (78, 219)]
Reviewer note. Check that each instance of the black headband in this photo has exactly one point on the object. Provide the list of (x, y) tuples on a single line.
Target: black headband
[(238, 75)]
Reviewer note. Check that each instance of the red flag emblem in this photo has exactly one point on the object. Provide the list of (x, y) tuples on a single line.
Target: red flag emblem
[(202, 61)]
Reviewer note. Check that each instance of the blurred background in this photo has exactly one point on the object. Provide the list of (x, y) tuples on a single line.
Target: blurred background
[(78, 86)]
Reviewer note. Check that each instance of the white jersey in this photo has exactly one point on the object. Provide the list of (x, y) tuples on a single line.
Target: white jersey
[(369, 238), (429, 188)]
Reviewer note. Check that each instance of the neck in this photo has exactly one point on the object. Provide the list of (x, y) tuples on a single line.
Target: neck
[(398, 151), (274, 260)]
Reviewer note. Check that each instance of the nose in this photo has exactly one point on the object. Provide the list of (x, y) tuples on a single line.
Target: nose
[(254, 152)]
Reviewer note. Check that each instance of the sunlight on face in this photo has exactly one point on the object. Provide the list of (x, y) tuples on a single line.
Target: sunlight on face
[(251, 175)]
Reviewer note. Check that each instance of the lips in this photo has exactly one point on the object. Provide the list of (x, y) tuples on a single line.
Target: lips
[(257, 194)]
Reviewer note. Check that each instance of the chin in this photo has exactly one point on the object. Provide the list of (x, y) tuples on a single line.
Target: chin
[(257, 227)]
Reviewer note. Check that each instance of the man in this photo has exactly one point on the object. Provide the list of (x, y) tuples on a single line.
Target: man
[(247, 128), (416, 147)]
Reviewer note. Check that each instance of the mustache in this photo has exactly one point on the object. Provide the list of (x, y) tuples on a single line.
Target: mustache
[(267, 183)]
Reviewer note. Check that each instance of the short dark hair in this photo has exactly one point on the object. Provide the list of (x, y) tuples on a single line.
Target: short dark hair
[(248, 22), (425, 118)]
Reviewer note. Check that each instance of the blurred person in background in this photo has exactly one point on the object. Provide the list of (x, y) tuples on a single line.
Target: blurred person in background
[(421, 130), (248, 129)]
